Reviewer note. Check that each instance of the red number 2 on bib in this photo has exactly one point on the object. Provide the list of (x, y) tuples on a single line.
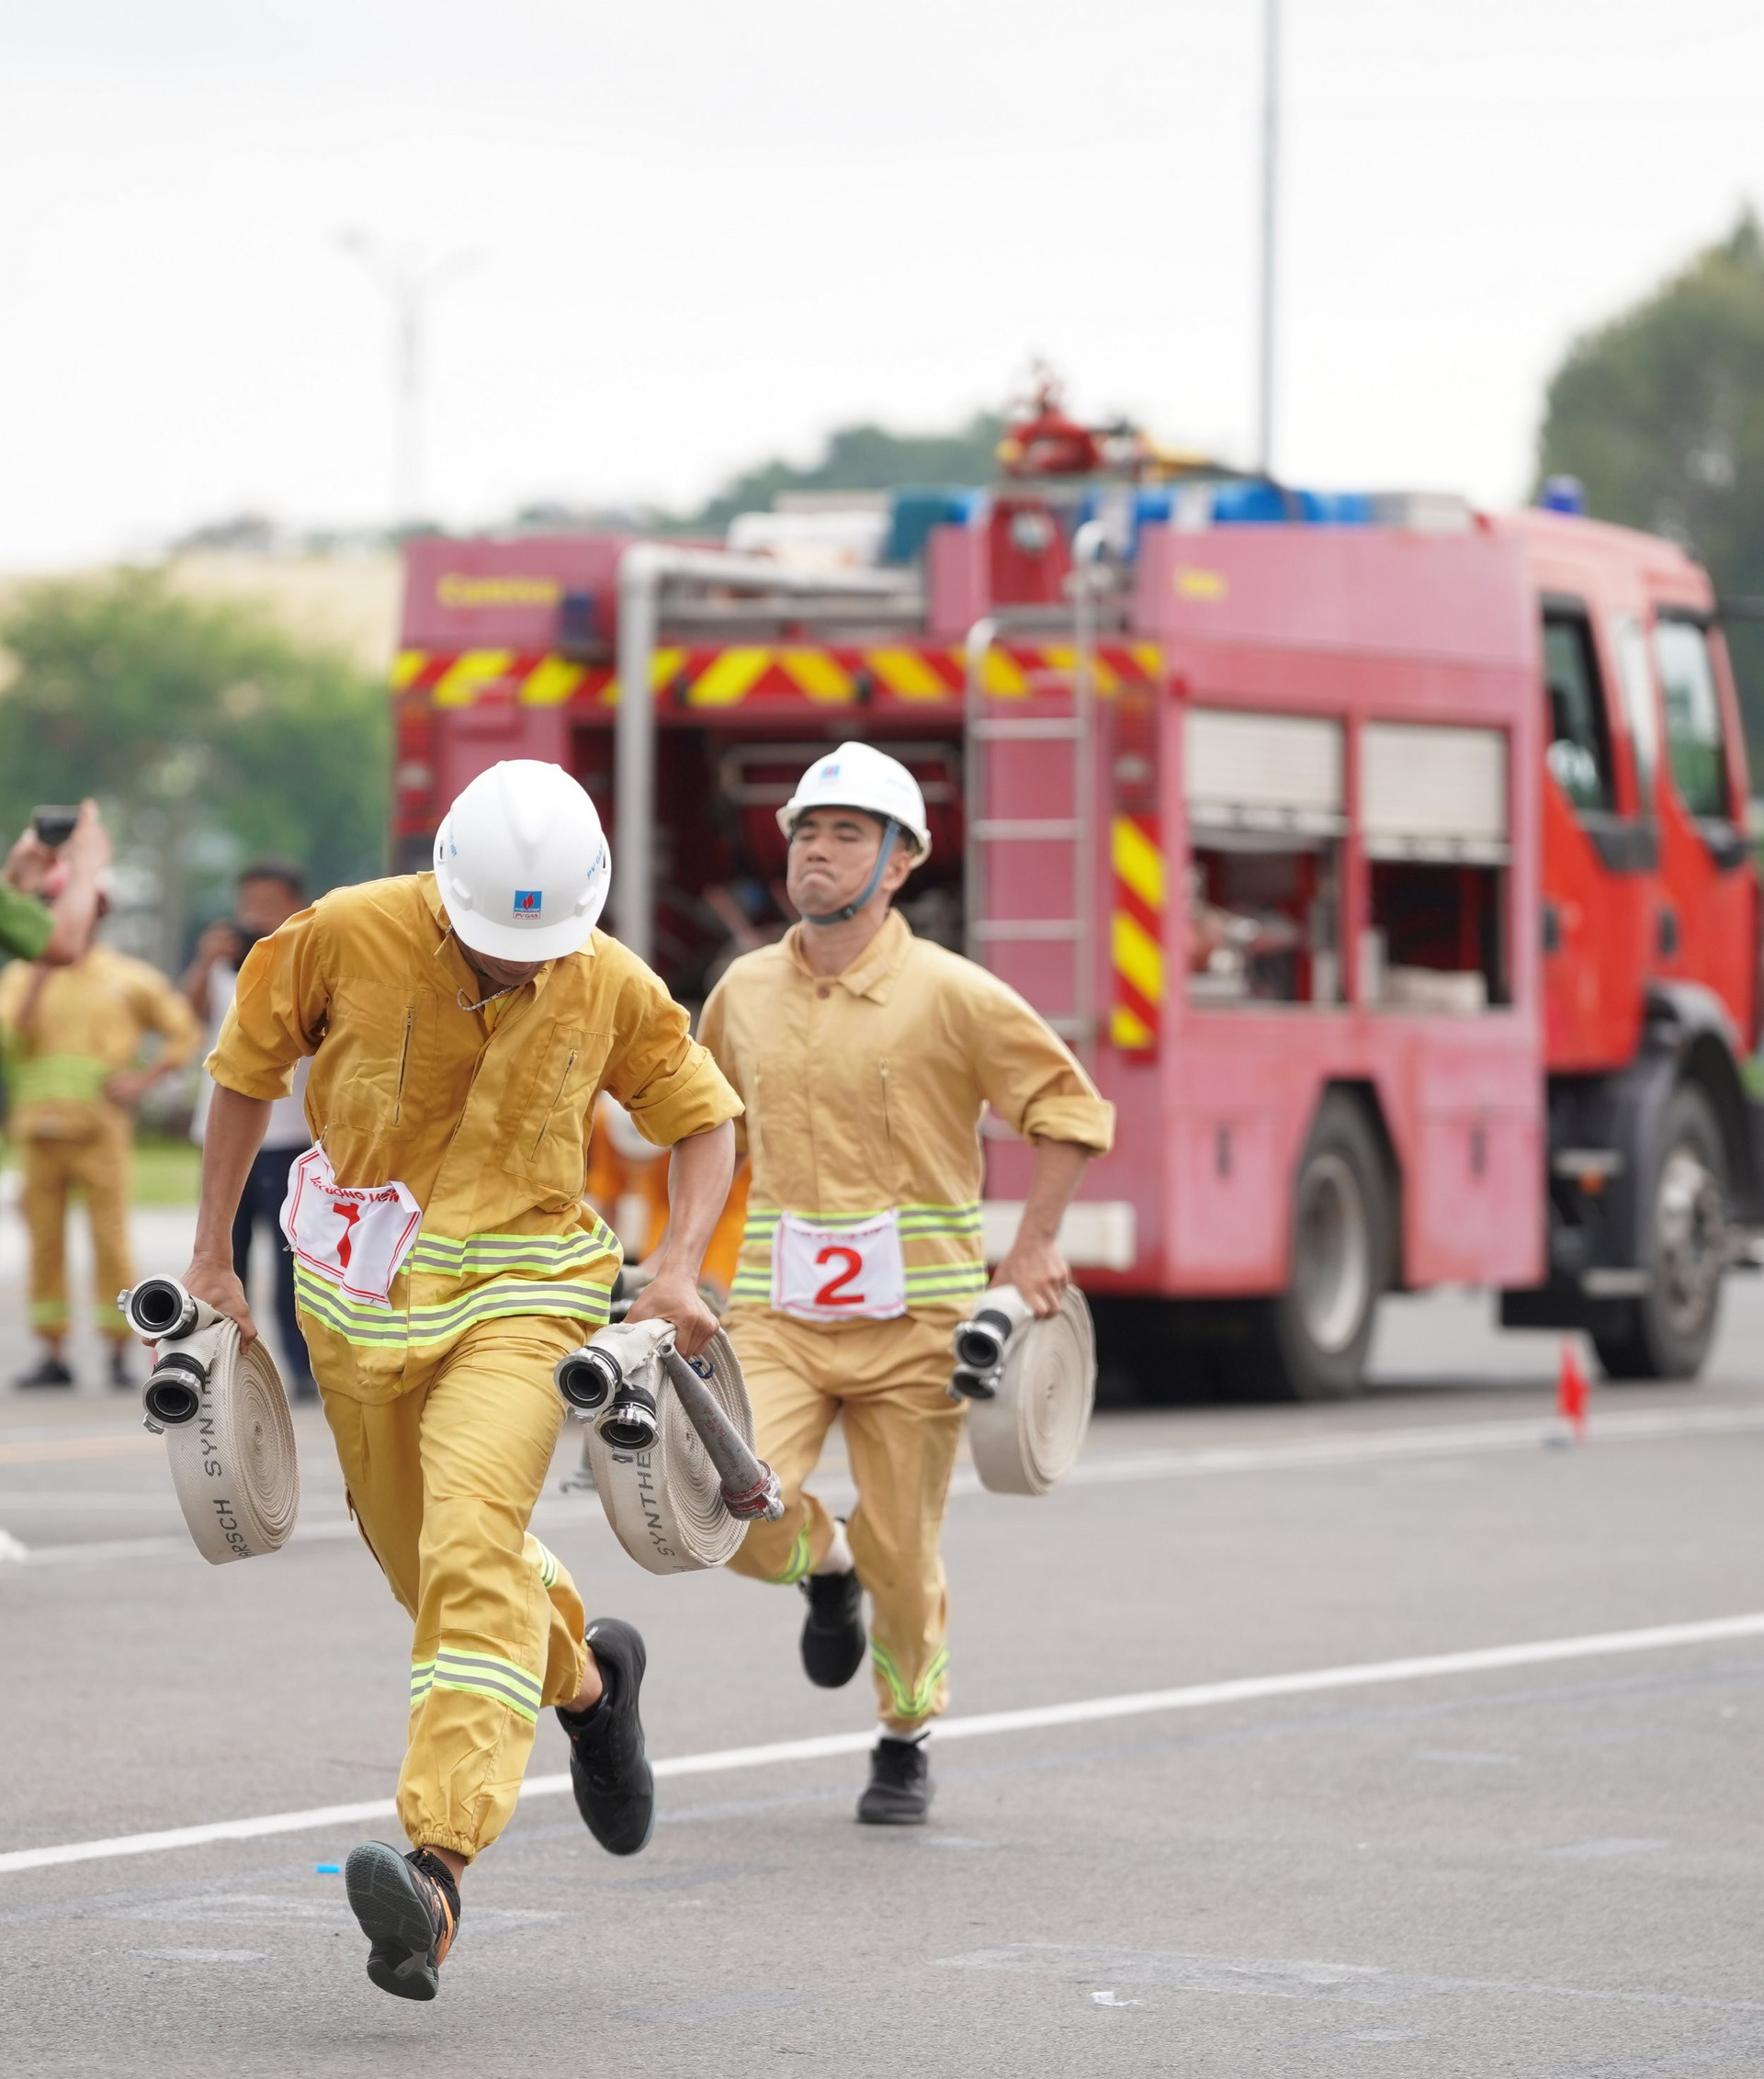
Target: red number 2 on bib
[(829, 1294)]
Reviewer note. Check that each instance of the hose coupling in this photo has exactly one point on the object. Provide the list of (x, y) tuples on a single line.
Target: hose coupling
[(587, 1378), (631, 1423)]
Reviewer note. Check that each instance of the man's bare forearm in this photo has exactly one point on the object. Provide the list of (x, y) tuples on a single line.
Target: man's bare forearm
[(1058, 1167), (698, 1180), (73, 917), (1034, 1264), (234, 1132)]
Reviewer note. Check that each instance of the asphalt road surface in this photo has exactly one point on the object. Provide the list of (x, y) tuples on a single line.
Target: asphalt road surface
[(1391, 1738)]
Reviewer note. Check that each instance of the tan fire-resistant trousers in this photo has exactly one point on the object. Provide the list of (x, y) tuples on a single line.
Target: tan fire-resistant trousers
[(96, 1163), (888, 1382), (441, 1481)]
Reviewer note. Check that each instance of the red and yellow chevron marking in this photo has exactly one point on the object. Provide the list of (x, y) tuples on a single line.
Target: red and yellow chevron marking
[(910, 674), (1137, 934)]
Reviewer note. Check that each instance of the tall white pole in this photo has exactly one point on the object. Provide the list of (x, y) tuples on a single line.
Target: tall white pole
[(1270, 222), (409, 286), (407, 465)]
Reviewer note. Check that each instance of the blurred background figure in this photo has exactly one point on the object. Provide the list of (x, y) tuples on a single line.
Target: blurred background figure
[(73, 1036), (57, 932), (628, 1186), (266, 896)]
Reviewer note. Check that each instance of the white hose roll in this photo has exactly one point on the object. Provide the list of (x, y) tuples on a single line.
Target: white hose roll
[(234, 1462), (665, 1504), (1026, 1435)]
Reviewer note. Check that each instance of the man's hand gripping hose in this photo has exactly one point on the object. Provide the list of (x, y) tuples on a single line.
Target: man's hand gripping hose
[(220, 1408), (670, 1440)]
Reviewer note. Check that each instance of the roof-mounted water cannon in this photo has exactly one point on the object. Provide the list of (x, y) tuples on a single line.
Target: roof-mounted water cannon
[(1044, 440)]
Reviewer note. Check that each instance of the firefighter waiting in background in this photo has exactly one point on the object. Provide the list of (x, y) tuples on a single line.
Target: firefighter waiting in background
[(74, 1037), (461, 1024), (864, 1057), (265, 897)]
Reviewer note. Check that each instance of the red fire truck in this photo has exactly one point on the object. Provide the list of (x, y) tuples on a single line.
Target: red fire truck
[(1386, 863)]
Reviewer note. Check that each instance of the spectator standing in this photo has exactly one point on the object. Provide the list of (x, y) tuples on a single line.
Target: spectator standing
[(74, 1037), (267, 895)]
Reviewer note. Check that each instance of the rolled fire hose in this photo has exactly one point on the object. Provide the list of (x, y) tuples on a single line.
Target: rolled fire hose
[(1030, 1385), (229, 1435), (670, 1443)]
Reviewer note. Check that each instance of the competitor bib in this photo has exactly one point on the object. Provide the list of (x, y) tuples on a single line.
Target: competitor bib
[(852, 1271), (355, 1238)]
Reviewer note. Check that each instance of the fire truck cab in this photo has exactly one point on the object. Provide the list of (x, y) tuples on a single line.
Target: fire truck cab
[(1385, 863)]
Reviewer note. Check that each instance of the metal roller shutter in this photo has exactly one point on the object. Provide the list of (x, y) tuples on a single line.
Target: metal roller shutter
[(1428, 792)]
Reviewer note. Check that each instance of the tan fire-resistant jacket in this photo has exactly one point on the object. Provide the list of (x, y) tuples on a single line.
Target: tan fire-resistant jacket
[(486, 1119), (68, 1030), (864, 1091)]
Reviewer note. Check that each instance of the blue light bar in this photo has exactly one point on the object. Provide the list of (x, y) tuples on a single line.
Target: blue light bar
[(1564, 494)]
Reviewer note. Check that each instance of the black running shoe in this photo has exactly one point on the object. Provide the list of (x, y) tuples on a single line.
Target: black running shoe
[(409, 1909), (833, 1638), (898, 1792), (612, 1780), (50, 1371)]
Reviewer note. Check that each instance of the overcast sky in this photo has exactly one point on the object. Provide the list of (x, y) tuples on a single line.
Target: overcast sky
[(708, 231)]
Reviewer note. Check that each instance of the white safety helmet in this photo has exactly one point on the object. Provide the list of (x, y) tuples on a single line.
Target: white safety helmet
[(522, 862), (858, 776)]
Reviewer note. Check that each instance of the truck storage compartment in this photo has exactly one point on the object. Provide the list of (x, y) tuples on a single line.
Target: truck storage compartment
[(1433, 822), (1265, 800)]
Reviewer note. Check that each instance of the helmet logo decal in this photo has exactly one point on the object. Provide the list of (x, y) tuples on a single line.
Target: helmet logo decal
[(528, 901)]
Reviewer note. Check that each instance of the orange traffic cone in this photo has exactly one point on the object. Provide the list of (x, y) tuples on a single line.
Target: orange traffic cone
[(1571, 1393)]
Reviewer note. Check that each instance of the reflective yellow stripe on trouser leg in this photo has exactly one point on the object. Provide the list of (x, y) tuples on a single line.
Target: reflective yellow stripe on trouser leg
[(889, 1380), (444, 1479)]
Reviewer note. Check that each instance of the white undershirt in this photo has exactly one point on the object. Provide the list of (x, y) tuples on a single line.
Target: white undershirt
[(287, 1127)]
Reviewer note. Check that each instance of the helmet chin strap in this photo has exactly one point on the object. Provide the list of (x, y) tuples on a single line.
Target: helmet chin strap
[(891, 831)]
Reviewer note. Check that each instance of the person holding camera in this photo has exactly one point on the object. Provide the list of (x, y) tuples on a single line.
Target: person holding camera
[(74, 1037), (266, 894), (49, 888)]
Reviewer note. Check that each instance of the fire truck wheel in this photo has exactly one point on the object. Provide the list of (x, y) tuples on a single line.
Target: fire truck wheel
[(1310, 1343), (1666, 1334)]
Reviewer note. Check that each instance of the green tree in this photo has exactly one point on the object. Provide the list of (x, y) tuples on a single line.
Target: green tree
[(863, 458), (206, 733), (1660, 413)]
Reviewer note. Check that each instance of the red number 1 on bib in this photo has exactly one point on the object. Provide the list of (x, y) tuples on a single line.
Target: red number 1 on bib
[(830, 1294)]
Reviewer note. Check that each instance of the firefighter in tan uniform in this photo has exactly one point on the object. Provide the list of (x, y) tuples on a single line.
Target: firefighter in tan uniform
[(73, 1037), (461, 1025), (863, 1058)]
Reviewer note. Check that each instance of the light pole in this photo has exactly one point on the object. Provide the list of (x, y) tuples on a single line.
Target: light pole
[(410, 284), (1269, 210)]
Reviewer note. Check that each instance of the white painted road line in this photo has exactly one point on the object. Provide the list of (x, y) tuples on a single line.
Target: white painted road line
[(1638, 1425), (1251, 1689), (1374, 1447), (321, 1530)]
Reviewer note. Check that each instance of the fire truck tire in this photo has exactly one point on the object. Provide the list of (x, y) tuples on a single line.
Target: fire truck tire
[(1310, 1342), (1665, 1333)]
